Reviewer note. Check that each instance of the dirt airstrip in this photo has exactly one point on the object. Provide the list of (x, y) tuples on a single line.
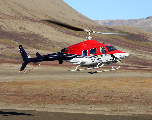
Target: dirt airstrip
[(55, 89)]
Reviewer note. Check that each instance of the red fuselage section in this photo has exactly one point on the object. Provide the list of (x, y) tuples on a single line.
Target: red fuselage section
[(92, 47)]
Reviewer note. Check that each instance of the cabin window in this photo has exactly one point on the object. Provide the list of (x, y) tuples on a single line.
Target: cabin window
[(111, 48), (93, 51), (103, 50), (85, 53)]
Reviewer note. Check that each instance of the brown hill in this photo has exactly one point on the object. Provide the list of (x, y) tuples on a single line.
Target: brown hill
[(20, 23)]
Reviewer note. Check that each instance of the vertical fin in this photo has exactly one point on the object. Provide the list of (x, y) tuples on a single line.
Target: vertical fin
[(24, 56), (23, 53)]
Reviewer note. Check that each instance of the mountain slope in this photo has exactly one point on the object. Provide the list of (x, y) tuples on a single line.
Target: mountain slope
[(144, 23), (21, 22)]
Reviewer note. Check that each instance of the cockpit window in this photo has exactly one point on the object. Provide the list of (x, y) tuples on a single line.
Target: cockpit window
[(111, 48), (93, 51), (85, 53)]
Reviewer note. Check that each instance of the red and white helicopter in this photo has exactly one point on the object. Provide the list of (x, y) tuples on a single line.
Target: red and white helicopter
[(90, 53)]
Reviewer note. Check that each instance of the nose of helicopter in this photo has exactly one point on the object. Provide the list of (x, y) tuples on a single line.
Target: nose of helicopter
[(124, 55), (121, 55)]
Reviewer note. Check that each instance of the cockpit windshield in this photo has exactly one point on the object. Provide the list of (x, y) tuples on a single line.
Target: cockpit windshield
[(111, 48)]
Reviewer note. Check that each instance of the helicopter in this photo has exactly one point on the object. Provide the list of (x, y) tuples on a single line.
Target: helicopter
[(90, 54)]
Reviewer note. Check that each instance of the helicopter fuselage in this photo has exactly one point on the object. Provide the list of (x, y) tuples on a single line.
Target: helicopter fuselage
[(92, 52)]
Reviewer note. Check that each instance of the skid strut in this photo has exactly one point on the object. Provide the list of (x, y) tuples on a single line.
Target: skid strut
[(88, 68), (76, 69)]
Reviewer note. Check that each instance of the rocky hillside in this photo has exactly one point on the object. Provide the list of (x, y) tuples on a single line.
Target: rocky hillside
[(21, 22), (143, 23)]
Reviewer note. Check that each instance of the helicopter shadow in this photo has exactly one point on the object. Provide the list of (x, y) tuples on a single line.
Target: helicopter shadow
[(92, 72), (9, 113)]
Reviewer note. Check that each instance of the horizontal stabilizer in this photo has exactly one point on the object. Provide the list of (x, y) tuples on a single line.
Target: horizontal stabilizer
[(38, 55)]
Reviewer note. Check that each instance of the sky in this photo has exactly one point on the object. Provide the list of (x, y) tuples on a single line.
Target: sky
[(112, 9)]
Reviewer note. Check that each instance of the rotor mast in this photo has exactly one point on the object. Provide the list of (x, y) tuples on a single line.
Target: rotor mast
[(89, 31), (89, 38)]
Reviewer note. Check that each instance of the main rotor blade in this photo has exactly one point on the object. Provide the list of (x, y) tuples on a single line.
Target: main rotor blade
[(111, 33), (76, 28), (64, 25)]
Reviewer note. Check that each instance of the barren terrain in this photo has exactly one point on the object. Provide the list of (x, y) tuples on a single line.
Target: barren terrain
[(55, 89)]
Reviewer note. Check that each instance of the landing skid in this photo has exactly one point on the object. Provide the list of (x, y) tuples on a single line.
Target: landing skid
[(108, 70), (90, 68)]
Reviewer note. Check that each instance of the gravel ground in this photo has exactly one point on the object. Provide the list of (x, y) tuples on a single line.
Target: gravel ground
[(110, 95)]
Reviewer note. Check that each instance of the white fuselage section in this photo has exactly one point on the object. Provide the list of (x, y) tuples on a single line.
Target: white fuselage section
[(95, 59)]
